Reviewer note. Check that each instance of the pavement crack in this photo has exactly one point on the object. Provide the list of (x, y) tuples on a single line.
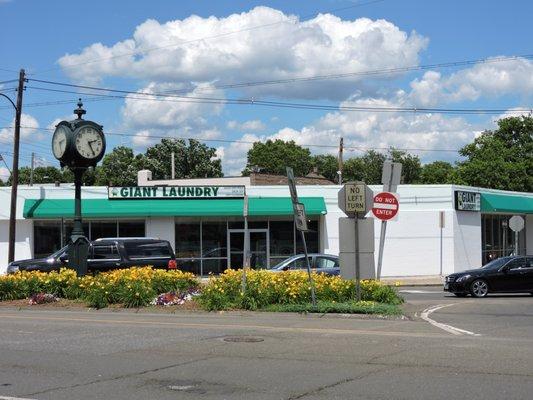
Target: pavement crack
[(334, 384), (118, 377)]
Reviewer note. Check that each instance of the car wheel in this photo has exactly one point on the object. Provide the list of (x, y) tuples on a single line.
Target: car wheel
[(479, 288), (460, 294)]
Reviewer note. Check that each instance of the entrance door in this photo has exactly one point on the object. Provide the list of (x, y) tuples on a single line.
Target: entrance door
[(258, 248)]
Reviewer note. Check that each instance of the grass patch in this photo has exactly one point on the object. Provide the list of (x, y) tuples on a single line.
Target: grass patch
[(348, 307)]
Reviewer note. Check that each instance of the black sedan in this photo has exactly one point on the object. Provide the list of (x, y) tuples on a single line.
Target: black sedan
[(320, 263), (504, 275)]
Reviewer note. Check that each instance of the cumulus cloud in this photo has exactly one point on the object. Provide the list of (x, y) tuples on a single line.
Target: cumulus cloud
[(366, 130), (267, 45), (4, 174), (27, 122), (485, 79)]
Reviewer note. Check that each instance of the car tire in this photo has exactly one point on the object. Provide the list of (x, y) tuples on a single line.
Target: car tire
[(479, 288), (461, 294)]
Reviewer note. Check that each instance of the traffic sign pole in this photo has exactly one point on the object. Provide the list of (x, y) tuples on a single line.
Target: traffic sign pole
[(385, 207), (357, 262)]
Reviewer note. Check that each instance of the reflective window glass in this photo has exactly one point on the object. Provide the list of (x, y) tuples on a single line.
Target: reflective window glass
[(281, 239), (311, 239), (46, 238), (214, 236), (131, 229), (188, 240), (103, 229)]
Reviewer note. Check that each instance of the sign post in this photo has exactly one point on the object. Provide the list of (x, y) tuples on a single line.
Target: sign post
[(390, 178), (246, 249), (301, 225), (355, 199), (516, 223)]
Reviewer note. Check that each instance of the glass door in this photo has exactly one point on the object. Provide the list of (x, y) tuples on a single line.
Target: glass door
[(259, 248)]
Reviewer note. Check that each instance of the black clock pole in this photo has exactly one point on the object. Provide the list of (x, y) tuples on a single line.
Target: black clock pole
[(79, 247)]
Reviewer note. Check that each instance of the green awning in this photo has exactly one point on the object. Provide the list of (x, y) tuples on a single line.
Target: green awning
[(104, 208), (491, 202)]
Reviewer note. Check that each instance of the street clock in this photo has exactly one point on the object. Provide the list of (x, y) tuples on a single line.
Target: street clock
[(78, 143)]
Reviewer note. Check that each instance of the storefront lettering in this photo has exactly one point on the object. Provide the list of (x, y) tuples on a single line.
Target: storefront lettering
[(169, 192)]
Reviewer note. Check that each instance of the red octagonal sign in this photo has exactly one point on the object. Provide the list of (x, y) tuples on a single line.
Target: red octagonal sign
[(386, 205)]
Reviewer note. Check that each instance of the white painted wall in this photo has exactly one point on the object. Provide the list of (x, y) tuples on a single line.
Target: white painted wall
[(23, 242), (467, 240), (161, 228)]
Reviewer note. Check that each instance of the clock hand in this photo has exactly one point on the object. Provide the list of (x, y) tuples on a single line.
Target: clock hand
[(90, 146)]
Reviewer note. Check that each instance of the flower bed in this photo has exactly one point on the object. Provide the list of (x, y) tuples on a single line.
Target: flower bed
[(266, 288), (134, 287)]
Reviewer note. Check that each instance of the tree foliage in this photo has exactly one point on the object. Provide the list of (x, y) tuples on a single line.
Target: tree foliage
[(119, 168), (327, 165), (500, 159), (274, 156), (437, 172)]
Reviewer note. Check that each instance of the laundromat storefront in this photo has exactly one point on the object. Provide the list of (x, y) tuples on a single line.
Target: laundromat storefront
[(209, 233)]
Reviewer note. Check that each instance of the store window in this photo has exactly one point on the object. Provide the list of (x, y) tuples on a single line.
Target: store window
[(281, 241), (312, 239), (46, 238), (131, 228), (68, 226), (497, 239), (188, 246), (214, 247), (103, 229)]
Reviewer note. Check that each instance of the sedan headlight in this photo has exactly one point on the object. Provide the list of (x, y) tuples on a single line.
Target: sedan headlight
[(463, 278)]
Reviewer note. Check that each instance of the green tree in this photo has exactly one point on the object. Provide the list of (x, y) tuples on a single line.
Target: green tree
[(42, 175), (500, 159), (367, 168), (119, 168), (411, 167), (327, 165), (274, 156), (192, 160), (437, 172)]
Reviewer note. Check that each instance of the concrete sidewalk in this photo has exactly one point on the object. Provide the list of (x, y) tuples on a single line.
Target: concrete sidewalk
[(428, 280)]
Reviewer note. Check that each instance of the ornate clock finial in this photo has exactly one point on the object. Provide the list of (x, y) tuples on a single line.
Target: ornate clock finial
[(79, 111)]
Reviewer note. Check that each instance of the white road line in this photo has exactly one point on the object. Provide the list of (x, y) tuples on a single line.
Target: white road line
[(13, 398), (448, 328), (421, 291)]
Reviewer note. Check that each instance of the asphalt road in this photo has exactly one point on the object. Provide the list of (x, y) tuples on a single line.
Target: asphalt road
[(128, 355)]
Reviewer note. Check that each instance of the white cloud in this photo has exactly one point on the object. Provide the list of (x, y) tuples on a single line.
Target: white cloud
[(246, 126), (491, 79), (198, 49), (27, 122), (4, 174), (233, 156)]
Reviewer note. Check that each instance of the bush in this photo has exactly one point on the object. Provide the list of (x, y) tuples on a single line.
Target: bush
[(134, 287), (265, 288)]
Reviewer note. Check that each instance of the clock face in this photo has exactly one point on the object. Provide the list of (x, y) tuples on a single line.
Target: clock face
[(59, 142), (89, 142)]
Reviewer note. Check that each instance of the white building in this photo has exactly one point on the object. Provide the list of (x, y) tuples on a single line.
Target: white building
[(207, 229)]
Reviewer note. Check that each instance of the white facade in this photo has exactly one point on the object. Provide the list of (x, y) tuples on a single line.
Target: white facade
[(415, 246)]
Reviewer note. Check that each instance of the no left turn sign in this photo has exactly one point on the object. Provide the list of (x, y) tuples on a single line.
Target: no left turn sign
[(386, 205)]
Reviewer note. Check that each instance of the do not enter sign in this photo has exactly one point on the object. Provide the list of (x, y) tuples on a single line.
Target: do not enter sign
[(386, 205)]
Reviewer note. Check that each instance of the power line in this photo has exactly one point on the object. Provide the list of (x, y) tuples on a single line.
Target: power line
[(278, 104), (181, 43), (133, 135)]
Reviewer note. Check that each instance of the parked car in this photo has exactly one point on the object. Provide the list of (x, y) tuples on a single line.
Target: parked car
[(107, 254), (320, 263), (512, 274)]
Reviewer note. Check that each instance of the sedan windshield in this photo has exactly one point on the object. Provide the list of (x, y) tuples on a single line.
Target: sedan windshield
[(495, 264)]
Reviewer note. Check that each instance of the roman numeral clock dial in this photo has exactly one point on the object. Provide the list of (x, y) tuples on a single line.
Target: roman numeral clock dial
[(89, 142)]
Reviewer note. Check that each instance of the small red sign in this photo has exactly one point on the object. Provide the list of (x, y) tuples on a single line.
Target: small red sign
[(386, 205)]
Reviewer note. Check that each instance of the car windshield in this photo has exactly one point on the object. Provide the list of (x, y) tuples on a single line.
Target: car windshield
[(495, 264), (59, 252)]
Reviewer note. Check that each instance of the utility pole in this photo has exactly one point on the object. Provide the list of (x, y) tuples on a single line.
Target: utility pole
[(15, 170), (341, 149), (32, 167), (172, 166)]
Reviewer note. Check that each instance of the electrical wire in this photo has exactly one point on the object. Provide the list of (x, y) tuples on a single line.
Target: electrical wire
[(277, 104), (347, 147)]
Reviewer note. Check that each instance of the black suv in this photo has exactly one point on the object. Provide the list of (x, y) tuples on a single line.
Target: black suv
[(107, 254), (504, 275)]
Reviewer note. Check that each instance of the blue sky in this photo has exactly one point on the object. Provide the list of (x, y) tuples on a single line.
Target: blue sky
[(350, 37)]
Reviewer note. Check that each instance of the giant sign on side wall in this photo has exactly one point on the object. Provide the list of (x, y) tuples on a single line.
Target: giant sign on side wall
[(467, 201)]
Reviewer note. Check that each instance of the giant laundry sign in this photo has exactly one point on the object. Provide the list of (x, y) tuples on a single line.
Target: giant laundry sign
[(467, 201), (175, 192)]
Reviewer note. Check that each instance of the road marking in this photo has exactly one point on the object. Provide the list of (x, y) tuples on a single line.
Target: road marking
[(13, 398), (448, 328), (421, 291), (271, 328)]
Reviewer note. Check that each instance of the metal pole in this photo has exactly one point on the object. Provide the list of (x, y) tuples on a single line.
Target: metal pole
[(246, 250), (313, 296), (440, 269), (172, 166), (78, 225), (383, 230), (32, 167), (516, 243), (15, 171), (357, 261), (341, 149)]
